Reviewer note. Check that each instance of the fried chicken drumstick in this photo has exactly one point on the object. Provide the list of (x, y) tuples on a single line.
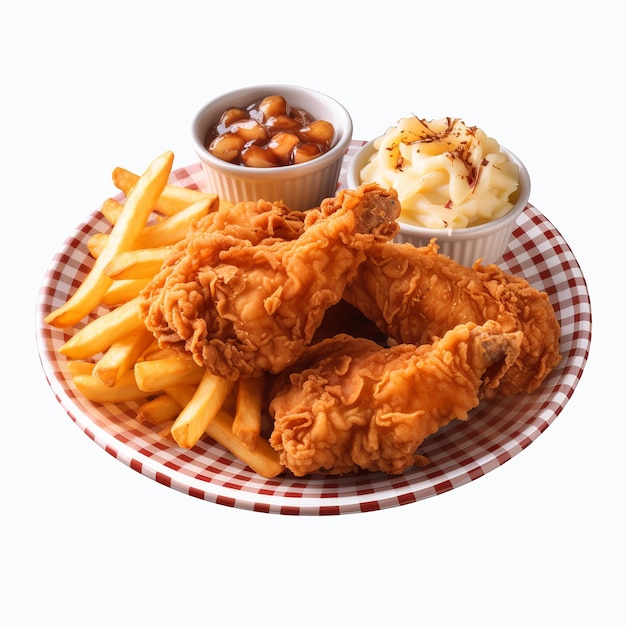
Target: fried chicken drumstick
[(246, 290), (350, 404), (415, 294)]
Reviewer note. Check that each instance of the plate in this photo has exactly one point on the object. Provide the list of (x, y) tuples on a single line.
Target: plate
[(459, 453)]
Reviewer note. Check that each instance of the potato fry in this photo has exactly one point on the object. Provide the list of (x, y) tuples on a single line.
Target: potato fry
[(172, 229), (144, 263), (103, 331), (159, 374), (77, 368), (247, 421), (96, 244), (121, 356), (181, 394), (155, 352), (264, 460), (159, 410), (112, 209), (172, 200), (195, 417), (137, 208), (124, 290), (125, 390), (164, 233)]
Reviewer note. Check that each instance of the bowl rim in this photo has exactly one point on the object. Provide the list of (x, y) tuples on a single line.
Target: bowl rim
[(460, 234), (200, 125)]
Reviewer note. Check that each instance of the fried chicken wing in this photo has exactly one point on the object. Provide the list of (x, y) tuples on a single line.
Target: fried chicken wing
[(415, 294), (350, 404), (245, 292)]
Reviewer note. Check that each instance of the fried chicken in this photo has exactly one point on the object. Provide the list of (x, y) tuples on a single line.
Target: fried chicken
[(415, 295), (246, 290), (350, 404)]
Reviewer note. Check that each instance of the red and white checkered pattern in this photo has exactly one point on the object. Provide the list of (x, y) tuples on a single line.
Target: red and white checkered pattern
[(459, 453)]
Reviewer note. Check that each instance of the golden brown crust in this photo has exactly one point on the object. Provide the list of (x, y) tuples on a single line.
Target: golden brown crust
[(349, 404), (415, 295), (245, 292)]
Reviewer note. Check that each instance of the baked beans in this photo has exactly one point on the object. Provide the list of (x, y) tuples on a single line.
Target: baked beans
[(269, 133)]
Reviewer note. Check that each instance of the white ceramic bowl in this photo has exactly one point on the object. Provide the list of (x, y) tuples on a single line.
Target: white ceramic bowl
[(301, 186), (465, 245)]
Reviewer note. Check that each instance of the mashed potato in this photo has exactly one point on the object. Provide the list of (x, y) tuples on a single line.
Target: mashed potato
[(447, 174)]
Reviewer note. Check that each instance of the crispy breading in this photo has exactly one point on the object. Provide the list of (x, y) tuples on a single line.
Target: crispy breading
[(415, 295), (350, 404), (245, 292)]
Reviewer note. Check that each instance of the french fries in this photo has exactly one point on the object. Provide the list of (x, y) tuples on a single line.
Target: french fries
[(139, 205), (264, 460), (157, 374), (182, 394), (97, 244), (159, 410), (172, 200), (170, 231), (77, 368), (112, 209), (125, 390), (121, 356), (137, 263), (123, 290), (197, 414), (100, 333), (164, 233), (248, 411), (113, 358)]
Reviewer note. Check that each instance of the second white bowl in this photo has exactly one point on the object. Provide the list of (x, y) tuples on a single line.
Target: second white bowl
[(486, 242)]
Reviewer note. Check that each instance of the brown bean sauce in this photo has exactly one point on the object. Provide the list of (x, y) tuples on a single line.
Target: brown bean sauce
[(269, 133)]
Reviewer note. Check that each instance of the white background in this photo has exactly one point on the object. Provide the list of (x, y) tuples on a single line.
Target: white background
[(89, 86)]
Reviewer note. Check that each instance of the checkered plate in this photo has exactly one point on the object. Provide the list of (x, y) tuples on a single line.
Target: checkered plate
[(459, 453)]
